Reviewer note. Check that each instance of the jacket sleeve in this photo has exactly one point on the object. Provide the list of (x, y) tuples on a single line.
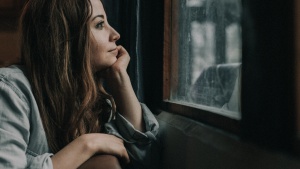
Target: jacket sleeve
[(15, 131), (143, 148)]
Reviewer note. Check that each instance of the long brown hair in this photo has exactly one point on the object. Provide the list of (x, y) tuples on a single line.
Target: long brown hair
[(56, 53)]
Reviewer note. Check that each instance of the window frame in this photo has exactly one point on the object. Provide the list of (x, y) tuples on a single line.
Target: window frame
[(265, 121), (170, 58)]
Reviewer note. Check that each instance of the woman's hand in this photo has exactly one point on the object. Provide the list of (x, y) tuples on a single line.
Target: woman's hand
[(115, 74), (121, 89), (122, 62), (106, 144), (84, 147)]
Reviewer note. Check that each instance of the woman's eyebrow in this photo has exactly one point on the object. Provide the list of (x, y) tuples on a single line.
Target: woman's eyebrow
[(101, 16)]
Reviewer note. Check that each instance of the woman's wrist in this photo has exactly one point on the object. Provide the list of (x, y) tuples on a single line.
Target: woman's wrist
[(119, 77), (88, 144), (78, 151)]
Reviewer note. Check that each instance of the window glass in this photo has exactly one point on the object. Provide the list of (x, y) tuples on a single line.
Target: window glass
[(206, 55)]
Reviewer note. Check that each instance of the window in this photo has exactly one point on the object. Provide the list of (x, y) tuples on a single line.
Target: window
[(267, 112), (204, 55)]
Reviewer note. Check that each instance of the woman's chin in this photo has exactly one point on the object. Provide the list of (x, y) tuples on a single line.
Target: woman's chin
[(100, 69)]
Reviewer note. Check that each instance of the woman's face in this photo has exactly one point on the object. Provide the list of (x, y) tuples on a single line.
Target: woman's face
[(103, 38)]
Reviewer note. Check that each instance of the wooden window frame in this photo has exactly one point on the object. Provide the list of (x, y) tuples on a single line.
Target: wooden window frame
[(270, 117), (170, 66)]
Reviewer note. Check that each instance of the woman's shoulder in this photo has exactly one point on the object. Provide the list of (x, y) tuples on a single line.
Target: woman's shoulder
[(11, 70), (13, 73), (13, 77)]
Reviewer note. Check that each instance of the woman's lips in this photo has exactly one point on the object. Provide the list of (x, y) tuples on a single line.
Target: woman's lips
[(112, 50)]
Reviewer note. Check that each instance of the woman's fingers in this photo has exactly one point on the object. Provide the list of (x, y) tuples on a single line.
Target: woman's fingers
[(123, 59), (122, 51), (109, 144), (118, 67), (119, 148)]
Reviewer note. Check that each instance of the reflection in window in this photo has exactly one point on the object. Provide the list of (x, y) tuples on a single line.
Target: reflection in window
[(209, 55)]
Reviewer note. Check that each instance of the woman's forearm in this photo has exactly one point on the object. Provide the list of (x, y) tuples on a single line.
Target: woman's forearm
[(73, 155), (122, 91), (127, 102), (84, 147), (101, 162)]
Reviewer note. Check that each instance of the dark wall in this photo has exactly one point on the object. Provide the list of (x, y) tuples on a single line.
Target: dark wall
[(147, 44), (152, 50), (268, 102)]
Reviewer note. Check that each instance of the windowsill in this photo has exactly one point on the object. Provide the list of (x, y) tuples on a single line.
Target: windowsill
[(219, 111), (203, 115)]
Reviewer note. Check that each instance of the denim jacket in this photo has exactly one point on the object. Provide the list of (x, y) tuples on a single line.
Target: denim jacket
[(23, 142)]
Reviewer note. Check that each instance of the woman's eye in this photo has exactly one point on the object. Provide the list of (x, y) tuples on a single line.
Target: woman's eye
[(100, 25)]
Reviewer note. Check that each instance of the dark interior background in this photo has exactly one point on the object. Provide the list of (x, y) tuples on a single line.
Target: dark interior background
[(268, 72), (268, 84)]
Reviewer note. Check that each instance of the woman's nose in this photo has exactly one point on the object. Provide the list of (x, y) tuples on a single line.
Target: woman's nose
[(114, 35)]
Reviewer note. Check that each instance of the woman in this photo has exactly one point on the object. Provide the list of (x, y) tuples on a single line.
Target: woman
[(55, 112)]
